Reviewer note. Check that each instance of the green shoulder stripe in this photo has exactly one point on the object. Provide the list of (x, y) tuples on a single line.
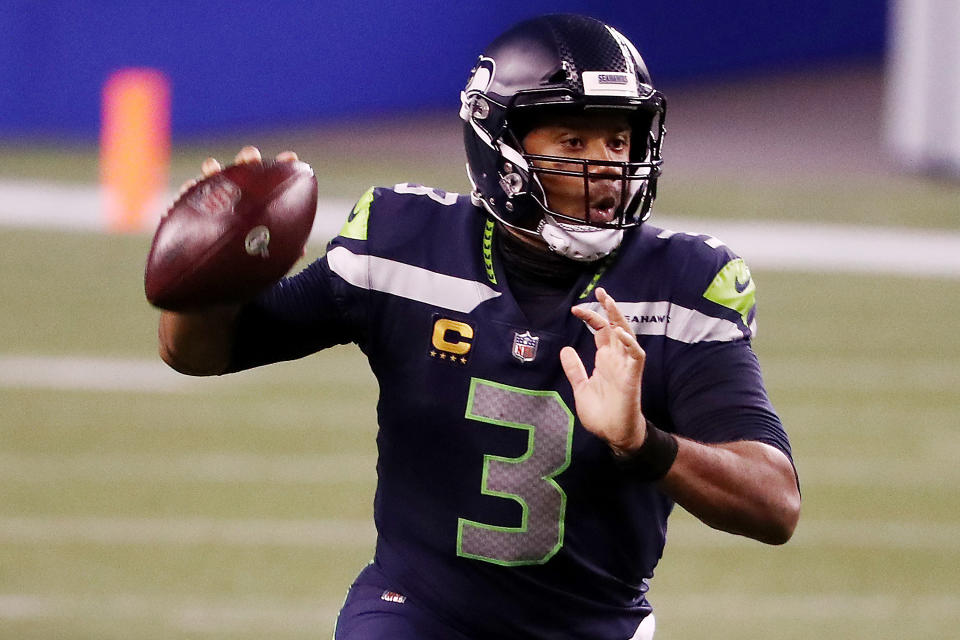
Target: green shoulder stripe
[(356, 225), (734, 288)]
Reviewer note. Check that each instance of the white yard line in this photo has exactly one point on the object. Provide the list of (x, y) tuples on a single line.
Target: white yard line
[(128, 375), (833, 534), (342, 468), (50, 204), (885, 535), (770, 245), (36, 204), (833, 248), (42, 468), (92, 374), (266, 532), (193, 615), (841, 606)]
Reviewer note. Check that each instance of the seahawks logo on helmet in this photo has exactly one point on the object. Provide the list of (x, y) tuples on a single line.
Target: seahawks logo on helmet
[(482, 75)]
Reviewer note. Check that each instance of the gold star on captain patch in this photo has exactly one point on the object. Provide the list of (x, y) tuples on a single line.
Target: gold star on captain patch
[(463, 360), (433, 354), (443, 356)]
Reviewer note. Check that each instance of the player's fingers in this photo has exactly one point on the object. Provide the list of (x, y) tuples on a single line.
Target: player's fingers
[(592, 318), (287, 156), (209, 167), (601, 327), (629, 342), (186, 186), (610, 306), (573, 367), (248, 154)]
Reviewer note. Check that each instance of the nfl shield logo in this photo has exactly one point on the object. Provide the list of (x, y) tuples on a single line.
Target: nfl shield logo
[(525, 346)]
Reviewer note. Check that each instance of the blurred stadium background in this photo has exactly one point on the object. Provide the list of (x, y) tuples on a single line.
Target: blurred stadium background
[(138, 503)]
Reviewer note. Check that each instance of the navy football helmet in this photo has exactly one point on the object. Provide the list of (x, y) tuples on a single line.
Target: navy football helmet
[(549, 64)]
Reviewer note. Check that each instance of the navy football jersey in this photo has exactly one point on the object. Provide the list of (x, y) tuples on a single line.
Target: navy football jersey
[(495, 508)]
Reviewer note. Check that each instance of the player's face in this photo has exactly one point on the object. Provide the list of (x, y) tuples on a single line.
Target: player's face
[(597, 136)]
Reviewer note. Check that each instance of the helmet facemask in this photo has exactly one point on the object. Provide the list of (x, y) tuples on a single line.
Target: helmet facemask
[(588, 233), (635, 181)]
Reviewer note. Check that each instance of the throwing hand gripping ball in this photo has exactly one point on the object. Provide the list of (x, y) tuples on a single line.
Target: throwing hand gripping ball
[(231, 235)]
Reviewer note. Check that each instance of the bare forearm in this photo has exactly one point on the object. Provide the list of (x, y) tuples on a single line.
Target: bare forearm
[(197, 343), (747, 488)]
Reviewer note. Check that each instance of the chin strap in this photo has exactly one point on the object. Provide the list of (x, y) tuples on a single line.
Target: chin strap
[(579, 242)]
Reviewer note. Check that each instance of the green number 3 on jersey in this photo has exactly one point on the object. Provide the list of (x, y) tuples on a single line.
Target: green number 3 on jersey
[(529, 479)]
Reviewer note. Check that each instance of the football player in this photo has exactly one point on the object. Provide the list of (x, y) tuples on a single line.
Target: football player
[(554, 374)]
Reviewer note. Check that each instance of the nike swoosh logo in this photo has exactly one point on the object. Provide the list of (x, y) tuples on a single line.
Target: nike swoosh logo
[(741, 287)]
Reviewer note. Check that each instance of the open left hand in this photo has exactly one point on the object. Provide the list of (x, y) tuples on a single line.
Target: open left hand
[(608, 400)]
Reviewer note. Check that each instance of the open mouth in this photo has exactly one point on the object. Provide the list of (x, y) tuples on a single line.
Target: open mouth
[(603, 209)]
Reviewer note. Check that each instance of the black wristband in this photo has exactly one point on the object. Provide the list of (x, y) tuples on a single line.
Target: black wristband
[(653, 459)]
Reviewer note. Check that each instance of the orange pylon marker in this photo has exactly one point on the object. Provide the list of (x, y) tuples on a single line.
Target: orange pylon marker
[(134, 146)]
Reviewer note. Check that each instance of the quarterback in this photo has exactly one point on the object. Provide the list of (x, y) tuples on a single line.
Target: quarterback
[(554, 372)]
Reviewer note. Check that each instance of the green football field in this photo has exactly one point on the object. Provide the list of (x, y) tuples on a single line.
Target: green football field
[(136, 503), (240, 507)]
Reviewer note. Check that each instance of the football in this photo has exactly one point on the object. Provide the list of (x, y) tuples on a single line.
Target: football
[(231, 235)]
